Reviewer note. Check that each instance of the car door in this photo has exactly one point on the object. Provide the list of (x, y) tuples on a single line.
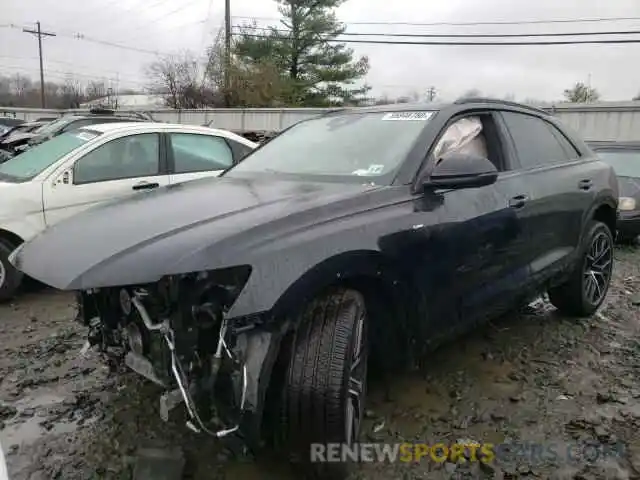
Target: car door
[(116, 169), (197, 155), (478, 251), (560, 190)]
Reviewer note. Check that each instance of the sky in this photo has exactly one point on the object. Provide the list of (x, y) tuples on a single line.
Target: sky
[(87, 30)]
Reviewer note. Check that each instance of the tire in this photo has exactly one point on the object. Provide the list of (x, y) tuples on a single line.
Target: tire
[(10, 278), (325, 380), (578, 296)]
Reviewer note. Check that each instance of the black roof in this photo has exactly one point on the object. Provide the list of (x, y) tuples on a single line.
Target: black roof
[(434, 106)]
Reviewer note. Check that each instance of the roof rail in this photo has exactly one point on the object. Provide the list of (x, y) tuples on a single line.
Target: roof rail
[(464, 100)]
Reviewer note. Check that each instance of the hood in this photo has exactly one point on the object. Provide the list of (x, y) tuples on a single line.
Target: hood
[(181, 228), (18, 138), (629, 187)]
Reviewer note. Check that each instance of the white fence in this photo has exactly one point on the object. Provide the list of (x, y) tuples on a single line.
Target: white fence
[(601, 121)]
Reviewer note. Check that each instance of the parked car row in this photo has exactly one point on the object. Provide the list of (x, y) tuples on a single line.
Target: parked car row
[(259, 298), (20, 141), (624, 157), (78, 169)]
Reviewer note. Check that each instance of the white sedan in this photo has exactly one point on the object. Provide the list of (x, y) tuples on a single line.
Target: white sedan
[(97, 163)]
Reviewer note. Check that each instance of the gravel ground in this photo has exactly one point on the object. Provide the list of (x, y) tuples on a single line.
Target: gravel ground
[(530, 377)]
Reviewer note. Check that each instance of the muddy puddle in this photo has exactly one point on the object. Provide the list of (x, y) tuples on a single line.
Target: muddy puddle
[(530, 377)]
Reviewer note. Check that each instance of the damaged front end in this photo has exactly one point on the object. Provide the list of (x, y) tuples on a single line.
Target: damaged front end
[(176, 333)]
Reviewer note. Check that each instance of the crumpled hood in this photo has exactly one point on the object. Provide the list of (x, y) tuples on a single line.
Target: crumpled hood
[(194, 226), (17, 138)]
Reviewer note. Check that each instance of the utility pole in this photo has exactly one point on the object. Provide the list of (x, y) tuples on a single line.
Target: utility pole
[(227, 50), (431, 93), (39, 33)]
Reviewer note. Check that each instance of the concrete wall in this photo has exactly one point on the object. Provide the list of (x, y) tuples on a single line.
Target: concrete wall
[(601, 121)]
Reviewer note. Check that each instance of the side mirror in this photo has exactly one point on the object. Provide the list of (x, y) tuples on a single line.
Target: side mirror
[(462, 170)]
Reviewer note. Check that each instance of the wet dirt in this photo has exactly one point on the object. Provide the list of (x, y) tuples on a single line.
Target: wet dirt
[(533, 378)]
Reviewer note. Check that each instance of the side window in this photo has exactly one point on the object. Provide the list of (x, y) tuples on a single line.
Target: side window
[(126, 157), (240, 150), (193, 152), (534, 141), (571, 151), (476, 135)]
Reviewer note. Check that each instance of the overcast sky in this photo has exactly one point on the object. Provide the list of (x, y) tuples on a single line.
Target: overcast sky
[(175, 25)]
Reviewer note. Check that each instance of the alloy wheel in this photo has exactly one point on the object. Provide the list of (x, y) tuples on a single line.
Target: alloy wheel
[(357, 380), (598, 266), (3, 274)]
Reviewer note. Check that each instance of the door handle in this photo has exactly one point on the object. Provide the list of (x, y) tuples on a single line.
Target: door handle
[(518, 201), (145, 186), (585, 184)]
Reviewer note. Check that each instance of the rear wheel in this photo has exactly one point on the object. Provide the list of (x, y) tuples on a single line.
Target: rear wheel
[(325, 386), (10, 278), (587, 287)]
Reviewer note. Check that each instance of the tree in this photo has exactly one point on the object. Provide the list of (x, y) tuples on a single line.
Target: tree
[(581, 93), (182, 80), (71, 94), (636, 98), (302, 50), (96, 90)]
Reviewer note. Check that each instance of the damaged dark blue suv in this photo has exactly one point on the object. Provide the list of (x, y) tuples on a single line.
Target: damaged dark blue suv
[(258, 299)]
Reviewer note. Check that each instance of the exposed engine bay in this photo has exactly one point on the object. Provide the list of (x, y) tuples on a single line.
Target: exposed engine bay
[(176, 334)]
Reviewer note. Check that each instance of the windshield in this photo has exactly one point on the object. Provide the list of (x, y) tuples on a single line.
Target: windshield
[(33, 161), (351, 145), (626, 163)]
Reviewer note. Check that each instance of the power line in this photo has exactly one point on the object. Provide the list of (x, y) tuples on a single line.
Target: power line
[(173, 12), (81, 36), (481, 44), (464, 35), (461, 24), (61, 62), (64, 75)]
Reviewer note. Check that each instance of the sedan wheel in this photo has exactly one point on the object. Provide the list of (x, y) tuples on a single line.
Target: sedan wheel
[(587, 286), (597, 268), (325, 388)]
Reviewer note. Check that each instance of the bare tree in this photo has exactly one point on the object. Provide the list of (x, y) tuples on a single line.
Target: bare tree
[(182, 80), (71, 93), (95, 90), (20, 84)]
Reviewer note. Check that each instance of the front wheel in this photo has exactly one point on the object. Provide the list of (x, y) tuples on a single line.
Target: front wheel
[(325, 386), (10, 278), (585, 290)]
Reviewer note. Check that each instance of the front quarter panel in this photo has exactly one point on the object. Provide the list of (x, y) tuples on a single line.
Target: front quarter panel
[(21, 210), (278, 263)]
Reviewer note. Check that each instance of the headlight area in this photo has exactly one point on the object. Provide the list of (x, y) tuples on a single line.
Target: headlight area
[(176, 333), (626, 204)]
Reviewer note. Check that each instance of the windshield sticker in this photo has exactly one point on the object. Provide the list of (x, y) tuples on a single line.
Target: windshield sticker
[(408, 116), (371, 170), (85, 136)]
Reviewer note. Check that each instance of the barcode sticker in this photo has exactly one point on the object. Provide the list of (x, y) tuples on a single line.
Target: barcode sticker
[(408, 116)]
